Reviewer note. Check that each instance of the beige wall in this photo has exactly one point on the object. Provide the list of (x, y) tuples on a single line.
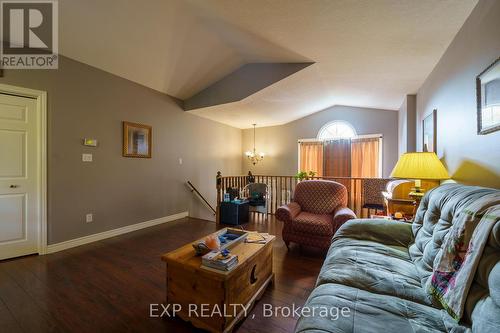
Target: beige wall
[(280, 142), (86, 102), (451, 89)]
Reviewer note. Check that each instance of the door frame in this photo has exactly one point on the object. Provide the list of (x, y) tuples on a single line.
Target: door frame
[(41, 108)]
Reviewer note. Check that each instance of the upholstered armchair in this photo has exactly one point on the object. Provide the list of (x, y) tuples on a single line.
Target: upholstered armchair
[(318, 209)]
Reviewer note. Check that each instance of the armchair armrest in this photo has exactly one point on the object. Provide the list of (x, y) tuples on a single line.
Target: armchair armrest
[(379, 230), (288, 212), (342, 215)]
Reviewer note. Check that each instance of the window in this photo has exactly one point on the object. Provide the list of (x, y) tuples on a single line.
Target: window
[(311, 157), (337, 129), (339, 152)]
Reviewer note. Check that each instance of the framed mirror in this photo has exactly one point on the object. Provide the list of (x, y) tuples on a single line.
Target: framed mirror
[(137, 140), (488, 99)]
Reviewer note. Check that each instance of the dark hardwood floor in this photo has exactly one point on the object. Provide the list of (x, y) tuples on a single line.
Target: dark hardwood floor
[(107, 286)]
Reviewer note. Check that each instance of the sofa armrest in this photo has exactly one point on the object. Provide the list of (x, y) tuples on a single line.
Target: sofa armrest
[(379, 230), (288, 212), (341, 215)]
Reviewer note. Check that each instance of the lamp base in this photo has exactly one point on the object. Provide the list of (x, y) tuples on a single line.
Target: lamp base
[(417, 197)]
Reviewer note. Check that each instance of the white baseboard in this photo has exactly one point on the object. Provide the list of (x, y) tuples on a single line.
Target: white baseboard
[(112, 233)]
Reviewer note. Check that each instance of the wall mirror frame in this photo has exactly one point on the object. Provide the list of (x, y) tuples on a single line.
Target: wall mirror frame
[(137, 140), (488, 99)]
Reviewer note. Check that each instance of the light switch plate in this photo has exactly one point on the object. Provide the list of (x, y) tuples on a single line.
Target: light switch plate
[(89, 218), (87, 157)]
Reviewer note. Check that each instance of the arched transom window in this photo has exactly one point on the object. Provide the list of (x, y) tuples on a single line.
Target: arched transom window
[(337, 129)]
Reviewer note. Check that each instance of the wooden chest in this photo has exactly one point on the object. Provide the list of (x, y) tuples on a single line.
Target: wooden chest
[(214, 300)]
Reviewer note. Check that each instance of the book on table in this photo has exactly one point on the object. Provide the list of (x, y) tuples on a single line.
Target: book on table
[(216, 260)]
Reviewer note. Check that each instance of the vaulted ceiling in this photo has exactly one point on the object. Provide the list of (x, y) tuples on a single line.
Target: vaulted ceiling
[(367, 53)]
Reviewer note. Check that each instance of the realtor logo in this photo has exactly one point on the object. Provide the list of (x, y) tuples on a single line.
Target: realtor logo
[(29, 34)]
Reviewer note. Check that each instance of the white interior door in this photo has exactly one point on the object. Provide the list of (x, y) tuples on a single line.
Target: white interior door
[(19, 176)]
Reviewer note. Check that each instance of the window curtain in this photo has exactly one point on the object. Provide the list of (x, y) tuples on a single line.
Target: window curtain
[(337, 161), (311, 157), (365, 158)]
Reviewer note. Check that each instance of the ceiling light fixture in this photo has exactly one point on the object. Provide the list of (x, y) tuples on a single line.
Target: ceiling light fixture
[(252, 155)]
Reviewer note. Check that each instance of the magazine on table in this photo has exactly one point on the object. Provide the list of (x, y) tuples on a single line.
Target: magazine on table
[(217, 260)]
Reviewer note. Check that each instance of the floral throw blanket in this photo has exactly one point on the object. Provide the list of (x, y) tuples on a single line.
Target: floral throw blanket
[(456, 264)]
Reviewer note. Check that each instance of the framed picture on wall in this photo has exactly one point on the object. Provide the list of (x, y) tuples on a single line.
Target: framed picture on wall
[(429, 140), (137, 140), (488, 99)]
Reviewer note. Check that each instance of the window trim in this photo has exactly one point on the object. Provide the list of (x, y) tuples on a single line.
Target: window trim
[(362, 136), (330, 123)]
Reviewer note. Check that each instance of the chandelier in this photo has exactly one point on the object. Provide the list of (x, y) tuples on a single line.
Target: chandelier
[(252, 155)]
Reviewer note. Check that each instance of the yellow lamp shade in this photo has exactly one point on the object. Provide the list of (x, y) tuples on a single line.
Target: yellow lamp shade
[(420, 166)]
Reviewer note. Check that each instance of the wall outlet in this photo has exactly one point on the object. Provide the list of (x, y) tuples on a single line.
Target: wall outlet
[(89, 218), (180, 160), (87, 157)]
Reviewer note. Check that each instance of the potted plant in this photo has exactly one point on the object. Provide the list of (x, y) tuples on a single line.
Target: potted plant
[(305, 175)]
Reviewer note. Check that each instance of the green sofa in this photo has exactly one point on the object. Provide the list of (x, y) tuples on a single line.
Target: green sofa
[(377, 272)]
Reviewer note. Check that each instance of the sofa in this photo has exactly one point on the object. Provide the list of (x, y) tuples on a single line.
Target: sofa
[(318, 209), (380, 270)]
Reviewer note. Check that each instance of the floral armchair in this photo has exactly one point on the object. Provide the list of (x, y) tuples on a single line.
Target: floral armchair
[(318, 209)]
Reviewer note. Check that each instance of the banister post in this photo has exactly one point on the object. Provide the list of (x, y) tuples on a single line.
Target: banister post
[(250, 177), (218, 184)]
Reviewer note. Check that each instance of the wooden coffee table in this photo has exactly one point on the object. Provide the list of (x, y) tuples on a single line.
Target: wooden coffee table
[(198, 291)]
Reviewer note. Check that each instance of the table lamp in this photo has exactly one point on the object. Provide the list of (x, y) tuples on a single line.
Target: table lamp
[(419, 166)]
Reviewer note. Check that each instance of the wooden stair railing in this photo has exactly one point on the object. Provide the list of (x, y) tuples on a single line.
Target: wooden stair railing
[(193, 189), (281, 189)]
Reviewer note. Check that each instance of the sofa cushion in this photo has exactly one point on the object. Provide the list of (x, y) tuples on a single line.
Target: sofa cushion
[(372, 254), (434, 219), (378, 230), (482, 306), (375, 267), (485, 312), (313, 224), (370, 312)]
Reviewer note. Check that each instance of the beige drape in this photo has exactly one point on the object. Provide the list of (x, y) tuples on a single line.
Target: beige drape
[(311, 157), (337, 158), (365, 155)]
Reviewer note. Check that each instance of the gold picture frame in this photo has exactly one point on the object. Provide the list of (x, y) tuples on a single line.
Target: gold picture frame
[(137, 140)]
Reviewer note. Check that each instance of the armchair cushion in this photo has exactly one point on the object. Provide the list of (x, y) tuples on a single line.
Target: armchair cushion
[(288, 212), (313, 224), (342, 215), (320, 196)]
